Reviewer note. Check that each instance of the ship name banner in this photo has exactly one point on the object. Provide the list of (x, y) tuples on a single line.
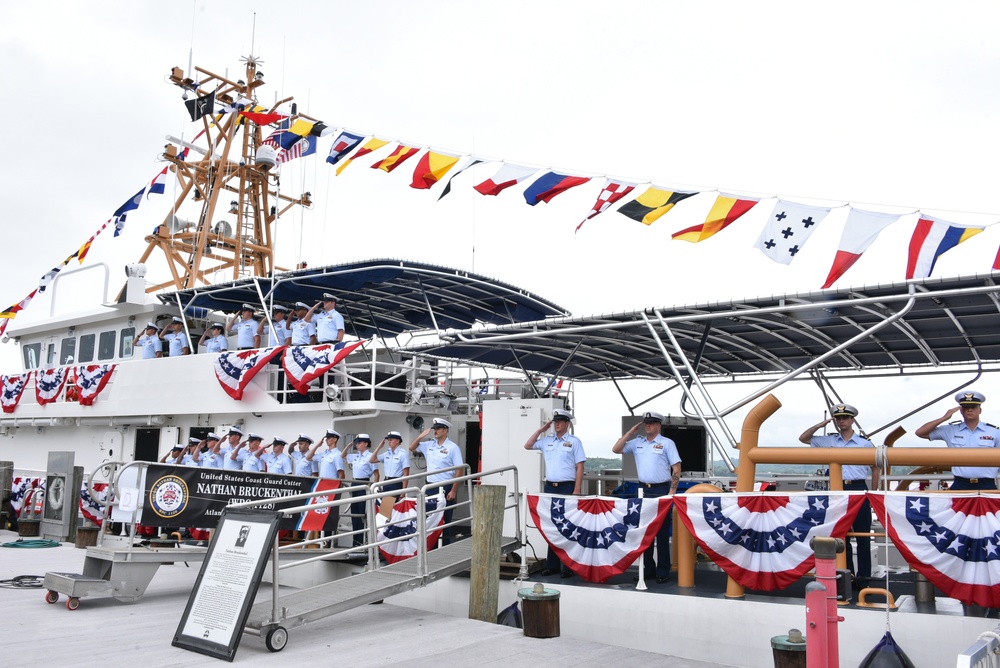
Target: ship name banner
[(191, 496)]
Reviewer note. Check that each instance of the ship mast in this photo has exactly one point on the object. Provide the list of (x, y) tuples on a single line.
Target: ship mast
[(232, 177)]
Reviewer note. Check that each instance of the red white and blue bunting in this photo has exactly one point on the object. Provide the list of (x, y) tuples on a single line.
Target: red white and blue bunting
[(49, 383), (235, 370), (762, 540), (92, 505), (12, 389), (952, 540), (304, 364), (597, 537), (403, 523), (91, 379)]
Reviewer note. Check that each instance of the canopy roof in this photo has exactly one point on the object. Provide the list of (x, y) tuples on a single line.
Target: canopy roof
[(382, 296), (918, 324)]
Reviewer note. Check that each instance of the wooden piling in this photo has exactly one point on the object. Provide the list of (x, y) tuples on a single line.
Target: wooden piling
[(487, 526)]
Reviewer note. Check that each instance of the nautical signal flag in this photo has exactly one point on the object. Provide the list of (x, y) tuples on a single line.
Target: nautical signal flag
[(508, 175), (611, 193), (724, 213), (342, 145), (549, 185), (263, 118), (788, 229), (400, 154), (370, 145), (649, 206), (431, 167), (198, 107), (996, 261), (301, 128), (447, 186), (122, 212), (158, 185), (860, 232), (931, 239)]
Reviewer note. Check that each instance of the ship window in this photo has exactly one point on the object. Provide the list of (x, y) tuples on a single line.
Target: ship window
[(32, 353), (86, 348), (67, 350), (106, 346), (125, 348), (50, 355)]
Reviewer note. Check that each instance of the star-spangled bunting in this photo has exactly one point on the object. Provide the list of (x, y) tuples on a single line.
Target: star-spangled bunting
[(403, 525), (762, 540), (92, 505), (91, 379), (612, 192), (235, 370), (597, 537), (954, 541), (12, 389), (49, 383), (303, 364)]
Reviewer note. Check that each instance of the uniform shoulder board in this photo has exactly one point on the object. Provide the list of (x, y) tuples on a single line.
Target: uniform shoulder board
[(956, 422), (991, 425)]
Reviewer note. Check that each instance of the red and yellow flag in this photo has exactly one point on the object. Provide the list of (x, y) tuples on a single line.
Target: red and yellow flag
[(724, 212), (396, 158), (431, 167), (370, 145)]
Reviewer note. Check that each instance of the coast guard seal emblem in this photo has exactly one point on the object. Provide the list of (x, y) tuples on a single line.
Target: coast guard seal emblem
[(168, 496)]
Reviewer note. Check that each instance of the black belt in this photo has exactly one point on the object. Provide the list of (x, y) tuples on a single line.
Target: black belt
[(648, 485), (563, 482), (855, 482), (364, 479), (246, 348), (974, 481)]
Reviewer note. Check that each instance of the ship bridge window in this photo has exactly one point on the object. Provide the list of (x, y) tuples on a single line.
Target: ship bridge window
[(32, 355), (125, 348), (67, 351), (50, 355), (86, 352), (106, 346)]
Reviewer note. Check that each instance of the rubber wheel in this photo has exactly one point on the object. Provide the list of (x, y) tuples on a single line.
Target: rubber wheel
[(72, 603), (51, 596), (276, 639)]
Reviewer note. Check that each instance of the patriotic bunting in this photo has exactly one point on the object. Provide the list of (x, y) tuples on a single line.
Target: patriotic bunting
[(549, 185), (724, 213), (12, 388), (612, 192), (49, 383), (317, 520), (92, 505), (648, 207), (509, 175), (597, 537), (399, 155), (860, 232), (91, 379), (22, 489), (403, 523), (762, 540), (931, 239), (431, 167), (303, 364), (235, 370), (788, 229), (954, 541)]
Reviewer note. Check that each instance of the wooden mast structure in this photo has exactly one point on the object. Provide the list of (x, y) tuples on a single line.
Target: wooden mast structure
[(233, 179)]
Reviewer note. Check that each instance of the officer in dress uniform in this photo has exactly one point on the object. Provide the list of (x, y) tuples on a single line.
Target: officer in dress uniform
[(278, 461), (395, 460), (330, 329), (855, 479), (206, 454), (658, 465), (301, 465), (277, 332), (362, 472), (331, 462), (188, 458), (254, 462), (245, 328), (440, 452), (564, 460), (173, 456), (969, 432), (214, 340), (149, 342), (177, 341), (303, 332)]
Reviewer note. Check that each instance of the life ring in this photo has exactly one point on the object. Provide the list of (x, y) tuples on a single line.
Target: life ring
[(56, 493)]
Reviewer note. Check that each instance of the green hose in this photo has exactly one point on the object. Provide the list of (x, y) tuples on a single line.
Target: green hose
[(38, 542)]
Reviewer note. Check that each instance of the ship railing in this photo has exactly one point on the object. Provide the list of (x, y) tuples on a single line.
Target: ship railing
[(984, 653)]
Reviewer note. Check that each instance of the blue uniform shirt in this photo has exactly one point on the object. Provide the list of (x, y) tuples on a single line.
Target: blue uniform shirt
[(328, 326), (394, 461), (849, 471), (277, 333), (150, 346), (280, 464), (301, 331), (361, 467), (245, 330), (254, 464), (958, 435), (176, 342), (216, 344), (440, 457), (653, 459), (331, 464), (561, 456)]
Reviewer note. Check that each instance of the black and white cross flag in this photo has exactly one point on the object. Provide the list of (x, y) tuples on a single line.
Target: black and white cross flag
[(788, 228)]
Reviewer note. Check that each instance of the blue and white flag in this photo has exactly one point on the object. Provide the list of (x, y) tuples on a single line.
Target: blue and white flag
[(235, 370), (762, 540), (130, 205), (952, 540), (597, 537)]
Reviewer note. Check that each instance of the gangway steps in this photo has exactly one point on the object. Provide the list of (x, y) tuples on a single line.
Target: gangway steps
[(308, 605)]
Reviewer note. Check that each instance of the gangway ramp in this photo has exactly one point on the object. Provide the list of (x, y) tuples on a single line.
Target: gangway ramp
[(314, 603)]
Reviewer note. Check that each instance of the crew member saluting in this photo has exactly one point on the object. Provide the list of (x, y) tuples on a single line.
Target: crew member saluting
[(658, 465), (970, 432), (564, 458)]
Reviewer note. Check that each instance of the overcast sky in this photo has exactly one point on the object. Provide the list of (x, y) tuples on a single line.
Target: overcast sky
[(890, 106)]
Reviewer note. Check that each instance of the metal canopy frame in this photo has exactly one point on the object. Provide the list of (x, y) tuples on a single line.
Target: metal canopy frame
[(383, 297)]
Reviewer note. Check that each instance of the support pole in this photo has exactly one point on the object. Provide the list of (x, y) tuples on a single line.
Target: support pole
[(487, 521), (822, 639)]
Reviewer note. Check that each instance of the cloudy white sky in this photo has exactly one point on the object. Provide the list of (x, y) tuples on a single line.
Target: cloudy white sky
[(890, 106)]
